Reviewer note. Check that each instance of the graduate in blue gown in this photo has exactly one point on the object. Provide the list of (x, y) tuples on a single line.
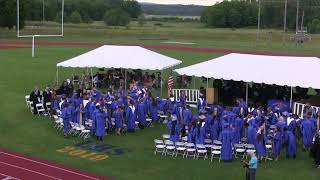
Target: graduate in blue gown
[(66, 122), (118, 115), (101, 117), (277, 144), (71, 112), (307, 129), (200, 132), (153, 110), (291, 144), (251, 132), (214, 129), (131, 116), (187, 115), (141, 114), (174, 128), (261, 143), (226, 139), (94, 120), (80, 115), (239, 128), (191, 131)]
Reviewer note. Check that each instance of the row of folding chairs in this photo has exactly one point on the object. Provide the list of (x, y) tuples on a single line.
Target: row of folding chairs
[(76, 129), (41, 110), (169, 148)]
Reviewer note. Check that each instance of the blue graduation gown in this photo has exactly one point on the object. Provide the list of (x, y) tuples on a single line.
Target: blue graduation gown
[(239, 127), (141, 113), (174, 133), (200, 135), (92, 108), (131, 118), (214, 130), (191, 138), (94, 121), (292, 146), (154, 112), (307, 130), (251, 134), (261, 146), (71, 113), (101, 123), (187, 116), (226, 149), (207, 121), (277, 144), (66, 123), (118, 119)]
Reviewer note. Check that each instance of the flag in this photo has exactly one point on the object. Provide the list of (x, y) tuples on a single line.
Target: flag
[(170, 83)]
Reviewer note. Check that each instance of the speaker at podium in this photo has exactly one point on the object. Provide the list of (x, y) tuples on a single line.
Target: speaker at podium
[(212, 95)]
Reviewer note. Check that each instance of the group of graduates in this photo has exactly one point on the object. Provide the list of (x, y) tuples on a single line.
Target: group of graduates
[(243, 124), (126, 111)]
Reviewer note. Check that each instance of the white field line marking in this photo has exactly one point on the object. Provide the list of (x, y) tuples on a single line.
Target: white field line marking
[(30, 170), (49, 165), (177, 42), (8, 177)]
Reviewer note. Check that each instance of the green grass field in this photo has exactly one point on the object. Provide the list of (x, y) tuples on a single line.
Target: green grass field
[(32, 135)]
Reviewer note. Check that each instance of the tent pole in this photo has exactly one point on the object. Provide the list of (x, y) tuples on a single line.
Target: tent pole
[(161, 82), (247, 89), (291, 97), (194, 82), (207, 83), (57, 75), (125, 80), (91, 78)]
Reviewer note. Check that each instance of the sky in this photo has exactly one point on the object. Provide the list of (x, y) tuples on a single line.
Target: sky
[(186, 2)]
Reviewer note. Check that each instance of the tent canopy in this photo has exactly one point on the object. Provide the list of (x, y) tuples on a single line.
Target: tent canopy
[(279, 70), (126, 57)]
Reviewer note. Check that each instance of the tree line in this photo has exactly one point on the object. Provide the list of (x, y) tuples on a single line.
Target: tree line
[(112, 12), (235, 14)]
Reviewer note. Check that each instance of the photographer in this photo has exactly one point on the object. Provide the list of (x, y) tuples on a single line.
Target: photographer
[(252, 166)]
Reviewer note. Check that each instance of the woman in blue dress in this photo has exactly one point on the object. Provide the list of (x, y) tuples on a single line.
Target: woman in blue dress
[(277, 143)]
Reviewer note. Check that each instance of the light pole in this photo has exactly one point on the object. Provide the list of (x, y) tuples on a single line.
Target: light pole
[(259, 15), (297, 16)]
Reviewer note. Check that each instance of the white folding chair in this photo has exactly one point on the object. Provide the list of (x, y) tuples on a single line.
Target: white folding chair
[(239, 149), (201, 151), (31, 106), (217, 143), (40, 109), (165, 137), (48, 106), (180, 149), (184, 139), (208, 141), (216, 152), (137, 125), (149, 121), (170, 148), (27, 97), (84, 133), (160, 146), (190, 150), (249, 148)]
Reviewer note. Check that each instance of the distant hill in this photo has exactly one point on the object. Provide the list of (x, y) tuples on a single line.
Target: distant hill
[(173, 10)]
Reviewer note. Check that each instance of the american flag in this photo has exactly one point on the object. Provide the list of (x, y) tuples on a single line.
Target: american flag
[(170, 83)]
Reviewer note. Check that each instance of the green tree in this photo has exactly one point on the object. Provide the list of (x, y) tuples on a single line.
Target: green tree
[(234, 18), (116, 17), (75, 17), (314, 26), (142, 20), (132, 7), (8, 14)]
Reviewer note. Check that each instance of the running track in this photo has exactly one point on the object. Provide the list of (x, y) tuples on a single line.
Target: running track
[(176, 48), (15, 166)]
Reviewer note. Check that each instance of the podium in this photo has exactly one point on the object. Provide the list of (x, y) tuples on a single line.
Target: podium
[(212, 95)]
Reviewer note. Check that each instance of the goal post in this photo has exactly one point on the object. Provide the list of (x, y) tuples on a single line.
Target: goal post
[(33, 36)]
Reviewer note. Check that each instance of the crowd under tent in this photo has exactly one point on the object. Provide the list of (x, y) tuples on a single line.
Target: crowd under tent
[(123, 57), (279, 70)]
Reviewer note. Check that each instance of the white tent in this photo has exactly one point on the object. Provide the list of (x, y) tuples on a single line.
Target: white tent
[(279, 70), (125, 57)]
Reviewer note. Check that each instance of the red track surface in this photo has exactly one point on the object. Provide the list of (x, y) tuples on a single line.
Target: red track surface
[(177, 48), (19, 167)]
